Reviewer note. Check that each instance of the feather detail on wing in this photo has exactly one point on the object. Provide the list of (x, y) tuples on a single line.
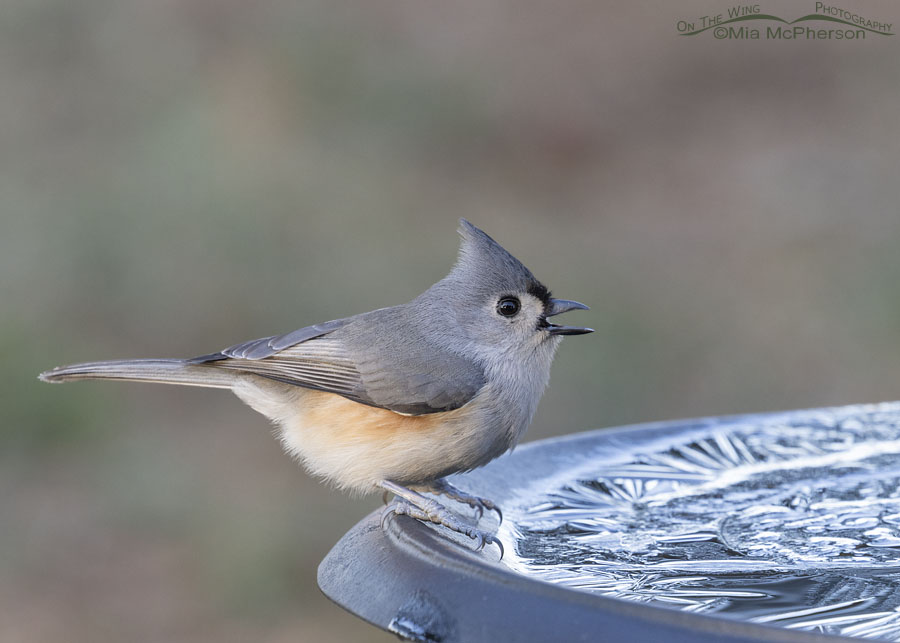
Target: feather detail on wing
[(268, 346), (358, 365), (320, 364), (305, 357)]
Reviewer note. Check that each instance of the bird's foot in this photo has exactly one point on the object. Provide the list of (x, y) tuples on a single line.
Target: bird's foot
[(441, 516), (415, 505), (444, 488)]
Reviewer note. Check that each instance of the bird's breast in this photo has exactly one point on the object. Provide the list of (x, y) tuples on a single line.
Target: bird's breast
[(356, 446)]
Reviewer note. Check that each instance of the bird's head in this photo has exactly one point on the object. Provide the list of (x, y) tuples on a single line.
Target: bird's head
[(497, 302)]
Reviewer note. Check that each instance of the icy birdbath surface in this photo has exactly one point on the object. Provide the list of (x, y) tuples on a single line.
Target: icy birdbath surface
[(788, 524)]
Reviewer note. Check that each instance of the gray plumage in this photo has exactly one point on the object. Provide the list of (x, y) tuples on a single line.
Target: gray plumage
[(405, 370), (397, 396)]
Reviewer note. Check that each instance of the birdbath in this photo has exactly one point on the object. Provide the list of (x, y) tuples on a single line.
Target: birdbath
[(768, 527)]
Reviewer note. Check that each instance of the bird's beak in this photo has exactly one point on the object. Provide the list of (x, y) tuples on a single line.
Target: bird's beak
[(560, 306)]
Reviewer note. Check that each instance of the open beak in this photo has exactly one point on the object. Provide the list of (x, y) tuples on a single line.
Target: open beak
[(560, 306)]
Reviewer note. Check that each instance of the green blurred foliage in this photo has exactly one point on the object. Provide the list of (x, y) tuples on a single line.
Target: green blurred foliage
[(180, 176)]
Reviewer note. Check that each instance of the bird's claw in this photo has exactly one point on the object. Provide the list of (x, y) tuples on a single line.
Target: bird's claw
[(438, 514), (496, 510), (483, 538), (480, 504)]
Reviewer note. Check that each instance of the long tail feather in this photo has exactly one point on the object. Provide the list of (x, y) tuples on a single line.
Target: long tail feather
[(165, 371)]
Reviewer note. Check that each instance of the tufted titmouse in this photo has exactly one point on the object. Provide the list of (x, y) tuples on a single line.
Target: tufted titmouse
[(399, 397)]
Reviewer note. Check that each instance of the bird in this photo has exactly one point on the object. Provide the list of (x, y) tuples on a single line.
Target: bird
[(398, 398)]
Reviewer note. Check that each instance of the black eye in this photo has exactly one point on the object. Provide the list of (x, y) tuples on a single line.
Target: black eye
[(508, 306)]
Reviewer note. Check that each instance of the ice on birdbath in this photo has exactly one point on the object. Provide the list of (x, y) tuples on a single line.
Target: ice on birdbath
[(791, 521)]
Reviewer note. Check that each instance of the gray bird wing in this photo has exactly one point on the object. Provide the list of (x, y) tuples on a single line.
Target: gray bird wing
[(268, 346), (403, 364), (409, 384), (352, 358)]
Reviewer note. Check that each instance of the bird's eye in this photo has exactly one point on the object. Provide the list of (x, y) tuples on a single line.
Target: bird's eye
[(508, 306)]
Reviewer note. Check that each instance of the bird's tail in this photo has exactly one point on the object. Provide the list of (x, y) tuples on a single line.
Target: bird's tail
[(165, 371)]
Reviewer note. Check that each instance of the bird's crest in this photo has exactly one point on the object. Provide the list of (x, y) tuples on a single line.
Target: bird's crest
[(484, 264)]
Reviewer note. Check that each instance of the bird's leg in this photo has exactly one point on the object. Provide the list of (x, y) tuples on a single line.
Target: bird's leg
[(444, 488), (413, 504)]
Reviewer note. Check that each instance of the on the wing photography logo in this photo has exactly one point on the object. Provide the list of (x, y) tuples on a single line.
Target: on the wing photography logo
[(748, 22)]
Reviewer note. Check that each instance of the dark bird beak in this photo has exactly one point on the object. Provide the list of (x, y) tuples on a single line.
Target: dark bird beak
[(560, 306)]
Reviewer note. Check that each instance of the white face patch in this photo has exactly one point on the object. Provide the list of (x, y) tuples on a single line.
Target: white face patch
[(531, 309), (510, 333)]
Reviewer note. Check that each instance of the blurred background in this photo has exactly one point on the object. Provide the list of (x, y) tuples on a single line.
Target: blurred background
[(178, 176)]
